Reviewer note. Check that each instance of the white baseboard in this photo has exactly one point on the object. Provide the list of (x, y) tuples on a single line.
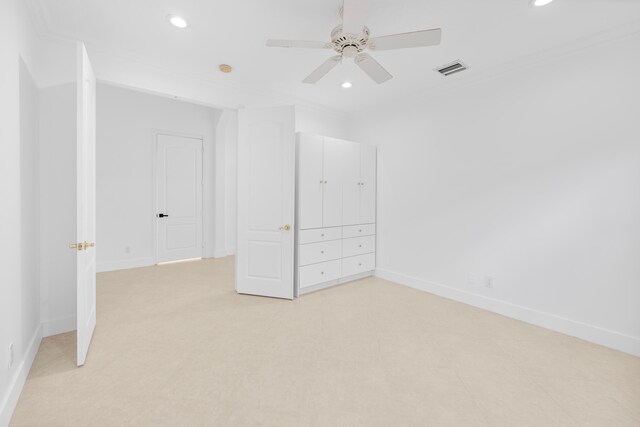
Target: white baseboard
[(220, 253), (59, 326), (10, 400), (102, 267), (595, 334)]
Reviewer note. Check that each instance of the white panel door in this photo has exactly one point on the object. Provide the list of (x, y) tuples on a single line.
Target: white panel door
[(266, 202), (178, 198), (367, 184), (310, 180), (350, 153), (85, 204), (332, 187)]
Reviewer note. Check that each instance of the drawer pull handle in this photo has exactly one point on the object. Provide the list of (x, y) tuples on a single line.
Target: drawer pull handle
[(322, 272), (322, 235), (360, 230), (321, 252), (359, 264), (359, 246)]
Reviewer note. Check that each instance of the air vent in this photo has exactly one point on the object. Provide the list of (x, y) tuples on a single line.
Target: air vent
[(452, 68)]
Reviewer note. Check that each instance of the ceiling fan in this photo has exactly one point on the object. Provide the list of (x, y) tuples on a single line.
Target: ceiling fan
[(351, 39)]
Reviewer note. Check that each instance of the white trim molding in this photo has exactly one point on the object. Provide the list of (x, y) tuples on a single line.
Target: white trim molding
[(221, 253), (595, 334), (10, 400)]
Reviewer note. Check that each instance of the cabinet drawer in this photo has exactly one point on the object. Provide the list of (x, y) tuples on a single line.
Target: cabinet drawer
[(314, 253), (358, 264), (358, 230), (318, 273), (319, 235), (358, 246)]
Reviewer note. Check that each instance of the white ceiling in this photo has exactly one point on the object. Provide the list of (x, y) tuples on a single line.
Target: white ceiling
[(483, 34)]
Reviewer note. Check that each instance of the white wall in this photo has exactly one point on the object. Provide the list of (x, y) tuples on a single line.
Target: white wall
[(19, 293), (225, 208), (320, 122), (126, 121), (29, 206), (58, 208), (531, 177)]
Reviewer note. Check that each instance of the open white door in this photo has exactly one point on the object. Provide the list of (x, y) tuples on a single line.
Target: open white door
[(266, 200), (86, 204)]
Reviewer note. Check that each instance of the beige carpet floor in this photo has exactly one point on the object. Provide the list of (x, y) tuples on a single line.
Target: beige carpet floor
[(176, 346)]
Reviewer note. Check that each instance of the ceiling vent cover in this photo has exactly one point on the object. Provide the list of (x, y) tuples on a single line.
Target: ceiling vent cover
[(452, 68)]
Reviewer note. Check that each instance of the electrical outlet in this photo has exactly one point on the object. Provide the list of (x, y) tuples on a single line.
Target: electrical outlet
[(10, 355), (488, 282)]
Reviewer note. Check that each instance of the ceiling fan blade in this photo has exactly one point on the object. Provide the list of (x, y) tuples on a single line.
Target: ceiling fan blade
[(353, 15), (299, 43), (405, 40), (372, 68), (323, 69)]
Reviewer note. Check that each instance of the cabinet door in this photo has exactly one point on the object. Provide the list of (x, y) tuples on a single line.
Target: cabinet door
[(367, 184), (310, 181), (351, 183), (332, 194)]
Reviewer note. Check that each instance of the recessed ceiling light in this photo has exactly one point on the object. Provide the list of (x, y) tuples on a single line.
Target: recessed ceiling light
[(539, 3), (346, 85), (177, 21)]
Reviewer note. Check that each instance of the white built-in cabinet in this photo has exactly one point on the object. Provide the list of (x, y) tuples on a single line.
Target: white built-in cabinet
[(336, 211)]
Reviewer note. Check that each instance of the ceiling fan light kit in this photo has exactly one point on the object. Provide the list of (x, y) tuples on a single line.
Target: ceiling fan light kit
[(351, 39)]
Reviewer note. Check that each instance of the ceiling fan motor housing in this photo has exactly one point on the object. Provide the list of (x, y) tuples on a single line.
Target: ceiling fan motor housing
[(349, 45)]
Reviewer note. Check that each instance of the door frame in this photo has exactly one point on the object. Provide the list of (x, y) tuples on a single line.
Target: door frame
[(154, 174)]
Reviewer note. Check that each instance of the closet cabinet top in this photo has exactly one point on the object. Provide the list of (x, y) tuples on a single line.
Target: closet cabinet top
[(306, 136)]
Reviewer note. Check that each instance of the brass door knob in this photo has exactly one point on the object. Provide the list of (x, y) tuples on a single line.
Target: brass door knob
[(77, 246), (88, 245), (285, 228)]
